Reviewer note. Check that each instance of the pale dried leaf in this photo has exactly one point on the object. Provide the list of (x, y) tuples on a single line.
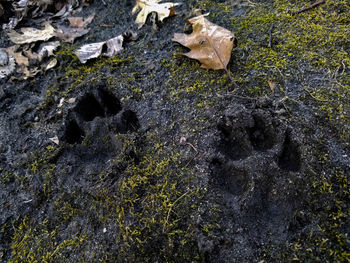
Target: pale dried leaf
[(94, 50), (163, 10), (89, 51), (30, 35), (51, 64), (71, 100), (209, 43), (55, 140), (18, 56), (27, 73), (60, 104), (45, 50), (272, 85), (7, 63), (114, 46)]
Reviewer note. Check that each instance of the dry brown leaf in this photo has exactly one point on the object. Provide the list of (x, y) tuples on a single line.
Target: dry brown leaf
[(272, 85), (30, 35), (69, 34), (76, 29), (209, 43), (80, 21), (163, 10), (45, 50), (18, 56)]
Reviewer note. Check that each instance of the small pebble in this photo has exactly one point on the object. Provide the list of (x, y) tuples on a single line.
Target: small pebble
[(36, 119)]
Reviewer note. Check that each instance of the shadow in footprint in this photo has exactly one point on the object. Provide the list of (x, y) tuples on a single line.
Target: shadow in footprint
[(126, 121), (262, 134), (88, 108), (109, 102), (290, 157), (234, 143), (73, 134)]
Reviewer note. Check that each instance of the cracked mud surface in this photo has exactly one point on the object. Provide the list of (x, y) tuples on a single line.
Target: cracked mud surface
[(161, 161)]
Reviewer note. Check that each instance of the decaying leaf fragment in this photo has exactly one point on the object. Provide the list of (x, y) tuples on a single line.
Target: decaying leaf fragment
[(94, 50), (163, 10), (209, 43), (7, 63), (30, 35), (18, 56), (44, 50), (77, 28)]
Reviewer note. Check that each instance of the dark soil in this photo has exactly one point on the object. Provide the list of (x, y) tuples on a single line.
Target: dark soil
[(160, 160)]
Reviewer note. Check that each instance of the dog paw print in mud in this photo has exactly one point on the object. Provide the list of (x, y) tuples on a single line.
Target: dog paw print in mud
[(90, 137), (256, 159), (96, 114)]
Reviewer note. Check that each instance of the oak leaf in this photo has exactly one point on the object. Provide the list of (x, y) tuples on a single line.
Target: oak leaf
[(30, 35), (163, 10), (209, 43)]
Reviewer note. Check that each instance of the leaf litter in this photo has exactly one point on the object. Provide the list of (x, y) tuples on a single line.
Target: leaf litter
[(147, 7), (31, 52)]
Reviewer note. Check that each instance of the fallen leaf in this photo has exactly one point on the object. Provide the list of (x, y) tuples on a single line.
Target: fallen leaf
[(163, 10), (209, 43), (50, 64), (7, 63), (69, 34), (272, 85), (60, 104), (71, 100), (55, 140), (76, 29), (45, 50), (27, 73), (114, 46), (80, 21), (18, 56), (94, 50), (24, 56), (89, 51), (30, 35)]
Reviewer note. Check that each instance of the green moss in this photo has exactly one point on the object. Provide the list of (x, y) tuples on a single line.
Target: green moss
[(34, 242), (327, 241), (153, 206)]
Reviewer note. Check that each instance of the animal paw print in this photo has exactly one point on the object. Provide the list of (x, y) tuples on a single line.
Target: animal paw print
[(250, 141), (100, 103)]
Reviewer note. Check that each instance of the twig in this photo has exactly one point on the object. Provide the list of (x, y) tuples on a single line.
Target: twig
[(270, 37), (315, 97), (171, 206), (309, 7), (194, 156), (222, 63)]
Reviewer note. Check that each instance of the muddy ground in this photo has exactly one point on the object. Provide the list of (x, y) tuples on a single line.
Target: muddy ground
[(160, 160)]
